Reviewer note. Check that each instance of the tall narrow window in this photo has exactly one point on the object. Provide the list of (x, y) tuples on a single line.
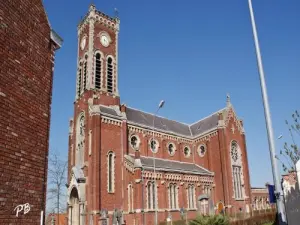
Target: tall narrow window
[(170, 196), (79, 81), (80, 136), (237, 168), (151, 195), (109, 75), (191, 196), (98, 71), (111, 172), (173, 196), (130, 198), (84, 75), (238, 192)]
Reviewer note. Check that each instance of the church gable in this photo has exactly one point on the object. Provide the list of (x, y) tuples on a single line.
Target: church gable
[(231, 115)]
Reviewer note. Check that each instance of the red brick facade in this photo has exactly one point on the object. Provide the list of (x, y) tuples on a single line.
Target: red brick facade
[(26, 62), (104, 128)]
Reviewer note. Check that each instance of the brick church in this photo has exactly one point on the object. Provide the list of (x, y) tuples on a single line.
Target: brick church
[(131, 167)]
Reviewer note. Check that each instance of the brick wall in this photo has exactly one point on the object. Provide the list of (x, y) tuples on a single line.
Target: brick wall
[(26, 62)]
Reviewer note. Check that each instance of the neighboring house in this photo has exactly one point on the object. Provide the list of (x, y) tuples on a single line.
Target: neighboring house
[(54, 219), (291, 190), (260, 199), (28, 46), (288, 182), (119, 162)]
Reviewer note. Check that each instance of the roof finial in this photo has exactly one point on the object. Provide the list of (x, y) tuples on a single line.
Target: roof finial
[(228, 103), (116, 13), (92, 6)]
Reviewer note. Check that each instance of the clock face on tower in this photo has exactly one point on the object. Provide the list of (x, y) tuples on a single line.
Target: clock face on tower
[(82, 43), (104, 39)]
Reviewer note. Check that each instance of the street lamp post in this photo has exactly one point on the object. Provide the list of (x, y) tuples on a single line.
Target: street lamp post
[(161, 104), (280, 205)]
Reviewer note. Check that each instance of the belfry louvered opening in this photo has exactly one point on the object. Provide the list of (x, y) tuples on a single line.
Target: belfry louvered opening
[(109, 75), (84, 75), (98, 71), (79, 81)]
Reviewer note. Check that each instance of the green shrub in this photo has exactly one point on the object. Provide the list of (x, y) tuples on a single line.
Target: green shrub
[(210, 220), (259, 219)]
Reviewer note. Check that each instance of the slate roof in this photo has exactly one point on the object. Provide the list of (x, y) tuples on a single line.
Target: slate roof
[(109, 111), (141, 118), (160, 123), (171, 165)]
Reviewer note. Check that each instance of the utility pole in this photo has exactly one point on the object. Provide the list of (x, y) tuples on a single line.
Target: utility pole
[(276, 176)]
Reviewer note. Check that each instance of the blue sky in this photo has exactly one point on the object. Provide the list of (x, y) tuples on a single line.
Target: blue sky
[(191, 53)]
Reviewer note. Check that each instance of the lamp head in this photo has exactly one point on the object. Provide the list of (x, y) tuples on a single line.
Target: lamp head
[(161, 104)]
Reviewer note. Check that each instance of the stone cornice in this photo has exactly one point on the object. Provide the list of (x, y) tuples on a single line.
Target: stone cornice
[(145, 130), (112, 121), (97, 16)]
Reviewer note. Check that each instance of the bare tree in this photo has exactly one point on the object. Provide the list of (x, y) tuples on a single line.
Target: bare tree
[(56, 193), (290, 152)]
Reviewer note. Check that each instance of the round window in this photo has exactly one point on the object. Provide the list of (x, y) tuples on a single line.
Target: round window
[(153, 145), (171, 149), (134, 142), (201, 150), (187, 151)]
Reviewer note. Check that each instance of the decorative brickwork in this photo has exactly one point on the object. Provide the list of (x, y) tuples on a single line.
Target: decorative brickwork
[(27, 61)]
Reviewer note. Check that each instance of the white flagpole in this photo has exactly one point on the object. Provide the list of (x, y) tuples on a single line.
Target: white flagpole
[(276, 176)]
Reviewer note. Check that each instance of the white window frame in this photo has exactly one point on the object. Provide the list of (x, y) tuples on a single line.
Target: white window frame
[(130, 198), (156, 146), (174, 148), (151, 205), (173, 196), (189, 152), (111, 186), (191, 196), (199, 150)]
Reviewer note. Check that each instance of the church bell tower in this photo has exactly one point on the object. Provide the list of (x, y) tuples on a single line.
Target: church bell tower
[(97, 65), (96, 84)]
